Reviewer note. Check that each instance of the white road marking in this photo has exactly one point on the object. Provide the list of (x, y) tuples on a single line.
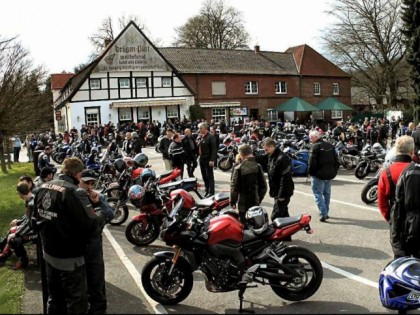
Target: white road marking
[(350, 275), (158, 308)]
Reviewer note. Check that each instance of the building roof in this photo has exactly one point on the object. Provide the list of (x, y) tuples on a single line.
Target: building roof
[(59, 80), (194, 60), (311, 63)]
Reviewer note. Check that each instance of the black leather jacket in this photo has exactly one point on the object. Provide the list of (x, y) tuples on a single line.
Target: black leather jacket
[(280, 175), (323, 160), (207, 146)]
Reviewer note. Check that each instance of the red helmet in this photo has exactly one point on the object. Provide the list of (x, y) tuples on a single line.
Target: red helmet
[(189, 201)]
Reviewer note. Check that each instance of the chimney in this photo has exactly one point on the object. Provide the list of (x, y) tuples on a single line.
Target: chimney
[(107, 41), (257, 49)]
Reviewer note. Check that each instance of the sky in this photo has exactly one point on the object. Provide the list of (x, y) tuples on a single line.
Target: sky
[(56, 32)]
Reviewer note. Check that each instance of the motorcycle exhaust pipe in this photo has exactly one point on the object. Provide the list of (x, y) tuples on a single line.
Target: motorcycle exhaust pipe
[(272, 275)]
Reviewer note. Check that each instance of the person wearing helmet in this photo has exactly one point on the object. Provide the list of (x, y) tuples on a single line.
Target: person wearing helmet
[(247, 185), (404, 150)]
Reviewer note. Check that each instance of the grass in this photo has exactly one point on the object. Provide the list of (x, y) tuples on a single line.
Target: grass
[(12, 283)]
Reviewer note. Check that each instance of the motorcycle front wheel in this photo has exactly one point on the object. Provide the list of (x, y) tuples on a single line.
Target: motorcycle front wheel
[(225, 164), (164, 288), (310, 271), (370, 192), (361, 171), (142, 233), (121, 213)]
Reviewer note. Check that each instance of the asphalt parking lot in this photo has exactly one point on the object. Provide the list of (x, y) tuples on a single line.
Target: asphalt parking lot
[(353, 246)]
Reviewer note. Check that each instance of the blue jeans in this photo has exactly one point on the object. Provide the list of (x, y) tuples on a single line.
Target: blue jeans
[(322, 192)]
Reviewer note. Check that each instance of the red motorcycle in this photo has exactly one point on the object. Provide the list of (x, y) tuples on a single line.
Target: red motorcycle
[(230, 258), (145, 227)]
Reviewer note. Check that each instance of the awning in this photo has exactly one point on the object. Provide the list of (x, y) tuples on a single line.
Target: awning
[(147, 103), (220, 104)]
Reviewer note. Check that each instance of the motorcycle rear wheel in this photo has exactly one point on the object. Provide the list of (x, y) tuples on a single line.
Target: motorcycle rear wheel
[(309, 267), (59, 159), (165, 289), (361, 171), (121, 214), (225, 164), (370, 192), (140, 235)]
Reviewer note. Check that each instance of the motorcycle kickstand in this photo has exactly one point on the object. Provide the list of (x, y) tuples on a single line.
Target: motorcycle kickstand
[(242, 288)]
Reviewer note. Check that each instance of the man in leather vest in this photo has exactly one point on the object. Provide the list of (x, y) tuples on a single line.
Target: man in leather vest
[(207, 150)]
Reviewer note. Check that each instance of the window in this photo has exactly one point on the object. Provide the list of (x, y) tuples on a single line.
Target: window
[(335, 114), (317, 88), (218, 114), (172, 112), (143, 113), (272, 115), (125, 114), (251, 87), (92, 116), (95, 84), (141, 83), (281, 87), (218, 88), (336, 89), (167, 82), (318, 115), (124, 83)]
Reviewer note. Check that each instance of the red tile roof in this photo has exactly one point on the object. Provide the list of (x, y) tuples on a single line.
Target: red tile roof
[(59, 80), (310, 63)]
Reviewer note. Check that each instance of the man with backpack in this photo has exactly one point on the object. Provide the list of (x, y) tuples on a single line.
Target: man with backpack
[(404, 146)]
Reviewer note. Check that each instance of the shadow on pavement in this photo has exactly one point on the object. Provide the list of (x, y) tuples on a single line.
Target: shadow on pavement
[(123, 302), (368, 224), (150, 249)]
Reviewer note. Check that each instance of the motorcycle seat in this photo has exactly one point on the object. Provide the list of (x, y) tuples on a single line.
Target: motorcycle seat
[(165, 174), (283, 222), (208, 202), (249, 235), (171, 185), (190, 180), (222, 196)]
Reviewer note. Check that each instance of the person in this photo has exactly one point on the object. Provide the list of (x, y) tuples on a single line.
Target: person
[(279, 179), (176, 153), (382, 133), (44, 159), (247, 185), (17, 145), (86, 147), (323, 167), (405, 214), (416, 136), (338, 131), (207, 151), (21, 232), (136, 143), (47, 174), (127, 145), (191, 151), (164, 147), (66, 221), (404, 147), (95, 266)]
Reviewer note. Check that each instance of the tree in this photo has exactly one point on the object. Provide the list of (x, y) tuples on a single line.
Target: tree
[(366, 40), (25, 103), (411, 31), (217, 26)]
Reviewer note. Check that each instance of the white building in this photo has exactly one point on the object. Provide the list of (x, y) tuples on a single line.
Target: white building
[(130, 81)]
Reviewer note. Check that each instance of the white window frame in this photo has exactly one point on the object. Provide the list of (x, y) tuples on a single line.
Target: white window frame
[(336, 89), (95, 84), (125, 114), (172, 112), (336, 114), (317, 88), (143, 81), (251, 87), (143, 113), (270, 113), (165, 81), (125, 85), (218, 88), (218, 113), (92, 115), (280, 87), (318, 115)]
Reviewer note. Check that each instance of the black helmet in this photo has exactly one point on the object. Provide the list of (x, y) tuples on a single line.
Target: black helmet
[(141, 159), (119, 165), (257, 219)]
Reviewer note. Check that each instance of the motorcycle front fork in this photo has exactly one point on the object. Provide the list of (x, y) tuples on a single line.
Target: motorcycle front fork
[(174, 259)]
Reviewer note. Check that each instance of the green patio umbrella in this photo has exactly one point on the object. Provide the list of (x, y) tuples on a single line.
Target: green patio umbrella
[(296, 104), (332, 103)]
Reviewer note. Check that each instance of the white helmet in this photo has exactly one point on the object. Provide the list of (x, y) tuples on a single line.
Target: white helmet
[(257, 219)]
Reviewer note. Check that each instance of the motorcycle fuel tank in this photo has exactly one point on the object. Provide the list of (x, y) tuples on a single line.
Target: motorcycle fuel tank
[(223, 228)]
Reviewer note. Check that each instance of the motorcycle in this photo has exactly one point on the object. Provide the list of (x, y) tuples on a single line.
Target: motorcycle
[(299, 161), (144, 227), (348, 156), (230, 258), (369, 162), (370, 190), (226, 162), (60, 153)]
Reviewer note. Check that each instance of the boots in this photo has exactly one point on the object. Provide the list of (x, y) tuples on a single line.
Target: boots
[(21, 263), (5, 253)]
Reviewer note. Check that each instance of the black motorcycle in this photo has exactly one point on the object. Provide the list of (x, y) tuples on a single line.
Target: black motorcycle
[(369, 162)]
